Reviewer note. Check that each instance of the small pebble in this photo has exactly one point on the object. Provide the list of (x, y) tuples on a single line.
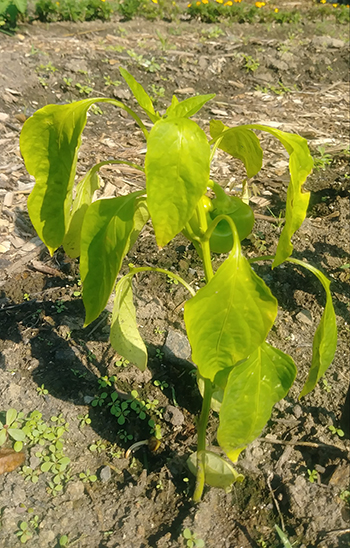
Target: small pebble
[(105, 474)]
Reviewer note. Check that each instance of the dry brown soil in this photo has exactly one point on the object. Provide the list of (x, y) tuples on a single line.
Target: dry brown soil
[(145, 501)]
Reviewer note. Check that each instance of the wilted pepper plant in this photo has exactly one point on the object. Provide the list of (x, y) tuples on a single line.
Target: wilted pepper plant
[(239, 374)]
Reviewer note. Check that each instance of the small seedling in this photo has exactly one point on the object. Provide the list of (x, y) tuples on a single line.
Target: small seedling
[(124, 436), (313, 475), (87, 477), (192, 540), (159, 331), (122, 363), (63, 541), (155, 429), (161, 384), (345, 496), (159, 354), (326, 385), (42, 391), (10, 429), (109, 82), (68, 82), (29, 474), (46, 68), (99, 400), (97, 447), (250, 64), (59, 306), (84, 420), (106, 381), (24, 533), (83, 89), (324, 159), (335, 430), (26, 297)]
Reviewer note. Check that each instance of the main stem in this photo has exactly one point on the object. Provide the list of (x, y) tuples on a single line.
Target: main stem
[(203, 419)]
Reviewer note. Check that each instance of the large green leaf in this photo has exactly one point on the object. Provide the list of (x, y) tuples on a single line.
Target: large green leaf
[(177, 174), (140, 95), (241, 143), (49, 142), (84, 193), (218, 472), (188, 107), (300, 166), (124, 336), (252, 389), (325, 339), (230, 316), (109, 229), (21, 5)]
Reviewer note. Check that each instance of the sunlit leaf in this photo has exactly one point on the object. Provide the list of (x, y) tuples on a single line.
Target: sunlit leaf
[(17, 434), (325, 339), (177, 174), (109, 229), (253, 387), (230, 316), (124, 336), (188, 107), (84, 193), (300, 166), (218, 472), (140, 95), (241, 143), (49, 142)]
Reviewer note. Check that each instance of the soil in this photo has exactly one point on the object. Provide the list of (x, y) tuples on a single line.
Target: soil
[(144, 501)]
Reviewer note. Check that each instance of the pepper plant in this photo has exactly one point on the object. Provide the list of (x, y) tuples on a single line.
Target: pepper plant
[(240, 375)]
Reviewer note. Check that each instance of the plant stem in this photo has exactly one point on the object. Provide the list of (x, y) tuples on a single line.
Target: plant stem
[(201, 445)]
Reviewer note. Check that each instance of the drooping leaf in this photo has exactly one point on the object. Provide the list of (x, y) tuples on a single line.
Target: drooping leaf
[(241, 143), (325, 339), (300, 166), (177, 174), (49, 142), (83, 198), (10, 460), (188, 107), (84, 193), (140, 95), (253, 387), (230, 316), (124, 335), (109, 229), (218, 472)]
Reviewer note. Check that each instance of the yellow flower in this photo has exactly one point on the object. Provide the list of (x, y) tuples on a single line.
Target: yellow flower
[(335, 5), (220, 1), (229, 3), (238, 1), (276, 10), (198, 3), (205, 1), (155, 1), (260, 4), (57, 3), (323, 1)]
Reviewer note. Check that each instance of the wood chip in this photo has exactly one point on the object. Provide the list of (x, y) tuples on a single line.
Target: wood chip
[(10, 460)]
